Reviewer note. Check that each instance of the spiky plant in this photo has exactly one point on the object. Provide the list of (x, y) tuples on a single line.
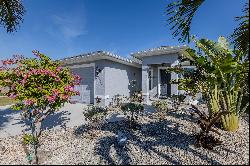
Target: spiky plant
[(206, 123)]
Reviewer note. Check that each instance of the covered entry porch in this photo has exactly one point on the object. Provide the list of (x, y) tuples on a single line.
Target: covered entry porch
[(156, 82), (155, 79)]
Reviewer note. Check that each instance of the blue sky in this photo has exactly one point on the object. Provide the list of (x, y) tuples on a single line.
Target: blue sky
[(62, 28)]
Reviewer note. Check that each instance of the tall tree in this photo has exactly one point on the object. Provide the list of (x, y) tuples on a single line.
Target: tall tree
[(11, 14)]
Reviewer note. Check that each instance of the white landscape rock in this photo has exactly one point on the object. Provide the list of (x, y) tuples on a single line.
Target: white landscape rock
[(193, 102), (159, 143)]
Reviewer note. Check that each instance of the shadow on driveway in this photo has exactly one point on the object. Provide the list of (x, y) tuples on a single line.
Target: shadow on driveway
[(55, 120), (6, 115)]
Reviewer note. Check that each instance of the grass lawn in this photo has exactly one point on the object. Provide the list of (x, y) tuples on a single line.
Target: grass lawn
[(5, 101)]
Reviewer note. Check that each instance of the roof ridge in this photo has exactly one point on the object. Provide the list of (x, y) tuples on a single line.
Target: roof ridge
[(107, 53), (158, 48)]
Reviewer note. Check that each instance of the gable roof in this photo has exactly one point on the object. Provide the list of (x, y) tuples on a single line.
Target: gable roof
[(159, 51), (98, 55)]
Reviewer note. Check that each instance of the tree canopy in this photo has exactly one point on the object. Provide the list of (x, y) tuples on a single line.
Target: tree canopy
[(11, 14)]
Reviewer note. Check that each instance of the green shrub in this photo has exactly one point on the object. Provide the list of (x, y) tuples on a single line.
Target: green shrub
[(132, 110), (132, 107), (178, 98), (160, 105), (29, 139), (95, 115)]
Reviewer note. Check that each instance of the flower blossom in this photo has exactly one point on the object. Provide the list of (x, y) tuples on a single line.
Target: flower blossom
[(68, 88), (13, 95), (77, 79), (8, 62), (13, 86), (65, 97), (29, 102), (58, 79), (17, 71), (7, 81), (51, 99), (40, 88), (58, 69), (3, 68)]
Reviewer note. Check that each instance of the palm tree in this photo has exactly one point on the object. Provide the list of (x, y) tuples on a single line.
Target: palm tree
[(11, 14), (182, 12)]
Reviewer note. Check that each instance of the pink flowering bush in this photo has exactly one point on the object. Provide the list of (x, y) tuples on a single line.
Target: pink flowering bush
[(39, 85)]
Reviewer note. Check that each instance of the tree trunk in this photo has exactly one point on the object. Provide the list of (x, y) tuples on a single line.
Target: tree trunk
[(35, 125), (34, 158), (35, 131)]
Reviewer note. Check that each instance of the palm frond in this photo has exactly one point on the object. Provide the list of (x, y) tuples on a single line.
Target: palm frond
[(181, 14), (240, 36)]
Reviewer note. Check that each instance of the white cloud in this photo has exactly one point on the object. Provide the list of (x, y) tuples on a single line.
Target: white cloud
[(70, 26)]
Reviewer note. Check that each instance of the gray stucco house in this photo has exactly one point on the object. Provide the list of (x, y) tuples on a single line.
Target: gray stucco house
[(106, 75)]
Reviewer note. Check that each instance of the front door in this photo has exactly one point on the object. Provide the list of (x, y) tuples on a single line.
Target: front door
[(165, 86)]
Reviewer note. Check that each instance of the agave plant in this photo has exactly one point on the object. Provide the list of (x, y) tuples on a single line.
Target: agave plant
[(206, 123)]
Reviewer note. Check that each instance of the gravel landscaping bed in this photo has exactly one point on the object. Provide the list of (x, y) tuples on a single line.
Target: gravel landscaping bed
[(170, 141)]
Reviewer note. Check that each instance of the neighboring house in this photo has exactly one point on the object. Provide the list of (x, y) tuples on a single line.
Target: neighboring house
[(106, 75)]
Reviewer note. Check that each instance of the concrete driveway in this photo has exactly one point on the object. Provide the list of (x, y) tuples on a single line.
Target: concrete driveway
[(11, 123), (70, 115)]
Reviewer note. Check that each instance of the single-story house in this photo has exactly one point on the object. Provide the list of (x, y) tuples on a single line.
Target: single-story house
[(105, 75)]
